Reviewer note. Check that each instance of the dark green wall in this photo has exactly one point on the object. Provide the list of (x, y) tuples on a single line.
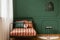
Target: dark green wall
[(37, 10)]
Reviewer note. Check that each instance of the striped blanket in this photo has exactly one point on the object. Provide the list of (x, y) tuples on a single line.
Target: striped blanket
[(23, 32)]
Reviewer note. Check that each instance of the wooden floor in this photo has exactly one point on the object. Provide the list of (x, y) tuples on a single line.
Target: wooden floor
[(39, 38), (48, 39), (32, 39)]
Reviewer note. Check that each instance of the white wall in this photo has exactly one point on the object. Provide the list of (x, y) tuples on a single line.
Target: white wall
[(7, 18)]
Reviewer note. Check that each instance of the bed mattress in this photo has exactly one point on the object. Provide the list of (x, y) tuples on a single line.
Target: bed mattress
[(23, 32)]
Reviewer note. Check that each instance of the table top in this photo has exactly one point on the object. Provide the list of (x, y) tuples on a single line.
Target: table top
[(48, 36)]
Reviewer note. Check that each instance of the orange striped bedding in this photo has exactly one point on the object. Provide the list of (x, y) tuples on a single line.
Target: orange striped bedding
[(23, 32)]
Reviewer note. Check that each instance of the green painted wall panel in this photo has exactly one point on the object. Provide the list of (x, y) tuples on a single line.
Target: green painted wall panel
[(37, 10)]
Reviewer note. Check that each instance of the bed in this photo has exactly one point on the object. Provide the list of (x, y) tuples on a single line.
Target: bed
[(27, 31)]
